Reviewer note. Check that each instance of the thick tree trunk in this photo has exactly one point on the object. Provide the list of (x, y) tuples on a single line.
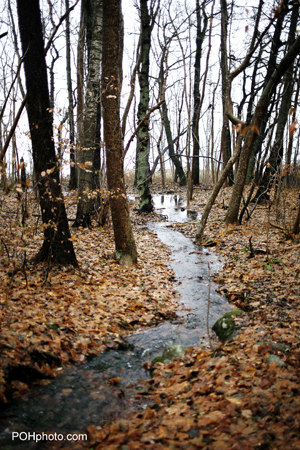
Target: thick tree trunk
[(57, 245), (287, 60), (125, 248), (88, 198), (142, 179)]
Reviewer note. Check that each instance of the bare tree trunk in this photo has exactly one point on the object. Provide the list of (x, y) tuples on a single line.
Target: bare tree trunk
[(275, 47), (201, 30), (142, 179), (80, 88), (88, 198), (225, 135), (288, 160), (216, 190), (176, 161), (276, 153), (287, 60), (73, 179), (125, 248), (57, 244), (160, 155), (296, 227)]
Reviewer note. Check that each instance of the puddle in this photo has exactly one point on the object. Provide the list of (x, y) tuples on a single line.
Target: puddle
[(86, 394)]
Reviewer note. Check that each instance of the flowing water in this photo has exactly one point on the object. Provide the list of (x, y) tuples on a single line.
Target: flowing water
[(85, 394)]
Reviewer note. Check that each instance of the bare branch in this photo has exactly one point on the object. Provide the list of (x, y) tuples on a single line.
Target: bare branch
[(12, 130)]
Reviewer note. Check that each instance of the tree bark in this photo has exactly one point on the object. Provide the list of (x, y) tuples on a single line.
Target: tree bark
[(216, 190), (57, 245), (287, 60), (288, 160), (80, 87), (296, 226), (226, 85), (201, 30), (142, 178), (276, 153), (164, 109), (87, 199), (125, 248), (275, 47), (73, 179)]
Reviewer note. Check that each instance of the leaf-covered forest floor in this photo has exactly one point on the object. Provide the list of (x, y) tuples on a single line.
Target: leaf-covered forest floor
[(51, 317), (229, 397)]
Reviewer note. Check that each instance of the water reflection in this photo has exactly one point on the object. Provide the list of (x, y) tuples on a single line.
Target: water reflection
[(174, 208)]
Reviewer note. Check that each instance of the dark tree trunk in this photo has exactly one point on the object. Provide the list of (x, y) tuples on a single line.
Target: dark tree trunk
[(125, 248), (174, 158), (80, 87), (276, 153), (249, 114), (145, 200), (73, 178), (287, 60), (296, 226), (288, 160), (275, 47), (57, 245), (196, 94)]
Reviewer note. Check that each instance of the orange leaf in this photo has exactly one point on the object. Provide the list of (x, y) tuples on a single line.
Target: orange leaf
[(244, 131), (238, 127), (292, 127), (291, 111), (115, 380), (255, 128)]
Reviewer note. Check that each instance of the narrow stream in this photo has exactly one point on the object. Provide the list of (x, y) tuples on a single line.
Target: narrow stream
[(85, 394)]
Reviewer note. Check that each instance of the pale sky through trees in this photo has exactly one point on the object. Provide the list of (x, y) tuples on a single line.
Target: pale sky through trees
[(183, 17)]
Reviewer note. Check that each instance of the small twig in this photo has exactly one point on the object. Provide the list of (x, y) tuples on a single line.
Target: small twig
[(5, 246), (24, 270), (278, 227), (251, 249), (268, 227), (287, 249)]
